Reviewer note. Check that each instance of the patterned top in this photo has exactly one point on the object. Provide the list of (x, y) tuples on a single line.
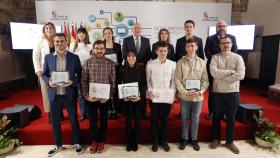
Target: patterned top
[(60, 66), (98, 71)]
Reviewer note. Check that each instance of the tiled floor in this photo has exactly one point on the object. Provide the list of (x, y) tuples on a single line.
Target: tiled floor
[(248, 149)]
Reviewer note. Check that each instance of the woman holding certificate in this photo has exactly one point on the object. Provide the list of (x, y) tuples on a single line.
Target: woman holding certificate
[(44, 47), (191, 81), (131, 77), (114, 53), (82, 48)]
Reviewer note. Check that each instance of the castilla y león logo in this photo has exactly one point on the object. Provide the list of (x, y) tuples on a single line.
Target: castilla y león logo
[(206, 17), (56, 16)]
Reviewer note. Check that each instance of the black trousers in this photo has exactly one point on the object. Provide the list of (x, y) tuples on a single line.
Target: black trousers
[(225, 103), (98, 134), (132, 116), (160, 133)]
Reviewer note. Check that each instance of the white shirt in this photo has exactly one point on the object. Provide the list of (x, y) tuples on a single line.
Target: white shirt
[(160, 75), (83, 51)]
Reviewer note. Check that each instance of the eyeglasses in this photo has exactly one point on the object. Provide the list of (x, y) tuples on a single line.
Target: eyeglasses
[(224, 43), (98, 48)]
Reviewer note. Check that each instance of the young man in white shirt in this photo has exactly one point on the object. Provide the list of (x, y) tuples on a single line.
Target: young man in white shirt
[(160, 75)]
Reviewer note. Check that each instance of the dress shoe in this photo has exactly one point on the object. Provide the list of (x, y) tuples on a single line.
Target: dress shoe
[(232, 148), (195, 145), (83, 117), (214, 144), (135, 147), (183, 144), (155, 147), (165, 146), (129, 147)]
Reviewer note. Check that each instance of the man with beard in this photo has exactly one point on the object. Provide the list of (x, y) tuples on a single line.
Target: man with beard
[(227, 69), (211, 48), (98, 69)]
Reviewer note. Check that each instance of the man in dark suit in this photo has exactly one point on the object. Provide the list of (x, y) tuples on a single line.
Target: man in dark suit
[(181, 42), (63, 94), (142, 46), (211, 48)]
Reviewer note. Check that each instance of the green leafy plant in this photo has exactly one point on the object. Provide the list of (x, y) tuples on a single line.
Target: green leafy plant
[(6, 140), (267, 131)]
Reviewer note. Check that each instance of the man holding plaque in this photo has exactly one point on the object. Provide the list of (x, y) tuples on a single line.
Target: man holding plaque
[(227, 69), (161, 88), (62, 72), (191, 81), (98, 85)]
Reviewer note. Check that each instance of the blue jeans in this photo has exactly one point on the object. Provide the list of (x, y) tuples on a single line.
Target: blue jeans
[(225, 103), (190, 111), (83, 107), (56, 108)]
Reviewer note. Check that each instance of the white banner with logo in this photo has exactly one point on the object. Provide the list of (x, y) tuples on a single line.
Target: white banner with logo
[(121, 15)]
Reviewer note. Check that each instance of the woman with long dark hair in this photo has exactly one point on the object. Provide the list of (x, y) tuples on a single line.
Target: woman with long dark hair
[(132, 72)]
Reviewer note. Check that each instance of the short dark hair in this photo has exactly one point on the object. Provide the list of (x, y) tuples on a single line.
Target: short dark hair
[(59, 35), (191, 41), (161, 44), (189, 21), (99, 42), (224, 37)]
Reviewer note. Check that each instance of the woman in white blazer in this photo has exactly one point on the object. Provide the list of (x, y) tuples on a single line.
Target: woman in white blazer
[(44, 47)]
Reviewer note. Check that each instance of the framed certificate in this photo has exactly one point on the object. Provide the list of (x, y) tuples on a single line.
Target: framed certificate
[(192, 85), (112, 57), (99, 90), (60, 77), (163, 95), (129, 91)]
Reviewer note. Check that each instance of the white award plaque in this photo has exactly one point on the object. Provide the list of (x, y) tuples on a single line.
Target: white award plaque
[(60, 78), (99, 90), (192, 85)]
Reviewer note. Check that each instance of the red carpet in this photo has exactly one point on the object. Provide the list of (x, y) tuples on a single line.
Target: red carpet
[(40, 132)]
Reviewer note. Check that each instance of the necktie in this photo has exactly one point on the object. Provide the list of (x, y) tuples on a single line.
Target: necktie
[(137, 45)]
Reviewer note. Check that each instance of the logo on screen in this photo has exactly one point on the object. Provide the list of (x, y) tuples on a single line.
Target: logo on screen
[(56, 16), (206, 17)]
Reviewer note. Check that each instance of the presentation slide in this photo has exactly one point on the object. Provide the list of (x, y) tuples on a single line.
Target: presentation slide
[(244, 34), (25, 35)]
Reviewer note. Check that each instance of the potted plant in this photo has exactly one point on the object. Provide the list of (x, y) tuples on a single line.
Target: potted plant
[(7, 143), (266, 133)]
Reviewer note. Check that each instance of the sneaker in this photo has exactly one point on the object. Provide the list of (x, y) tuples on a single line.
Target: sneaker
[(93, 147), (195, 145), (55, 150), (100, 147), (183, 144), (232, 148), (214, 144), (165, 147), (78, 149), (155, 147)]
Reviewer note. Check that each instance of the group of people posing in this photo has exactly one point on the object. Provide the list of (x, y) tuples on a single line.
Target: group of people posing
[(186, 71)]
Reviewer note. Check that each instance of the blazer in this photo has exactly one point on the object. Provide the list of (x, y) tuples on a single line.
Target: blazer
[(144, 54), (170, 54), (118, 50), (181, 47), (73, 66), (38, 54), (212, 46)]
